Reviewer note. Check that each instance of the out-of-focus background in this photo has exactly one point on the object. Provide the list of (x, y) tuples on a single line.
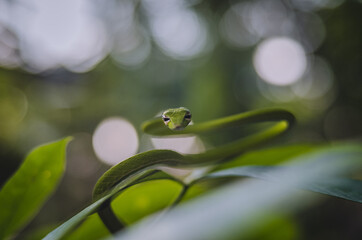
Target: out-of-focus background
[(96, 69)]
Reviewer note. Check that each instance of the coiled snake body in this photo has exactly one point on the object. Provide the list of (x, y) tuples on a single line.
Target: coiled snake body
[(176, 121)]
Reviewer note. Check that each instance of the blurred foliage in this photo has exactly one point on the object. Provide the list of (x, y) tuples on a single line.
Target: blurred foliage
[(123, 65)]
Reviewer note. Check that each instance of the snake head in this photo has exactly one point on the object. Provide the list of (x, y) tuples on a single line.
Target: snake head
[(176, 118)]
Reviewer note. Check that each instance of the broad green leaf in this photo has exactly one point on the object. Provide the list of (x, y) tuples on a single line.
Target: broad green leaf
[(145, 198), (241, 206), (27, 190), (269, 156), (65, 229), (339, 187)]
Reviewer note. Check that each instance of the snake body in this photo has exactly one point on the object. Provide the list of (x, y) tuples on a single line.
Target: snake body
[(282, 119)]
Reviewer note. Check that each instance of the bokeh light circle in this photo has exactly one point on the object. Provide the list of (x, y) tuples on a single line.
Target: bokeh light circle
[(114, 140), (280, 61), (234, 26), (317, 82), (134, 56), (181, 34)]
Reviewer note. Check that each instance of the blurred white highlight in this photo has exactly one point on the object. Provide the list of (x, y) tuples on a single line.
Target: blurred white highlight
[(179, 31), (114, 140), (318, 81), (234, 26), (280, 61), (56, 33)]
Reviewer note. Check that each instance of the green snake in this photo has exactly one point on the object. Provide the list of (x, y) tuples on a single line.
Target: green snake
[(176, 120)]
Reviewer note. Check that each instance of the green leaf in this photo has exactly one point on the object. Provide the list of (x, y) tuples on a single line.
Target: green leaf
[(269, 156), (238, 208), (339, 187), (145, 198), (27, 190)]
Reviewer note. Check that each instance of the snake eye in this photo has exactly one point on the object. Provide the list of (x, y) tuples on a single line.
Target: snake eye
[(188, 116), (166, 119)]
